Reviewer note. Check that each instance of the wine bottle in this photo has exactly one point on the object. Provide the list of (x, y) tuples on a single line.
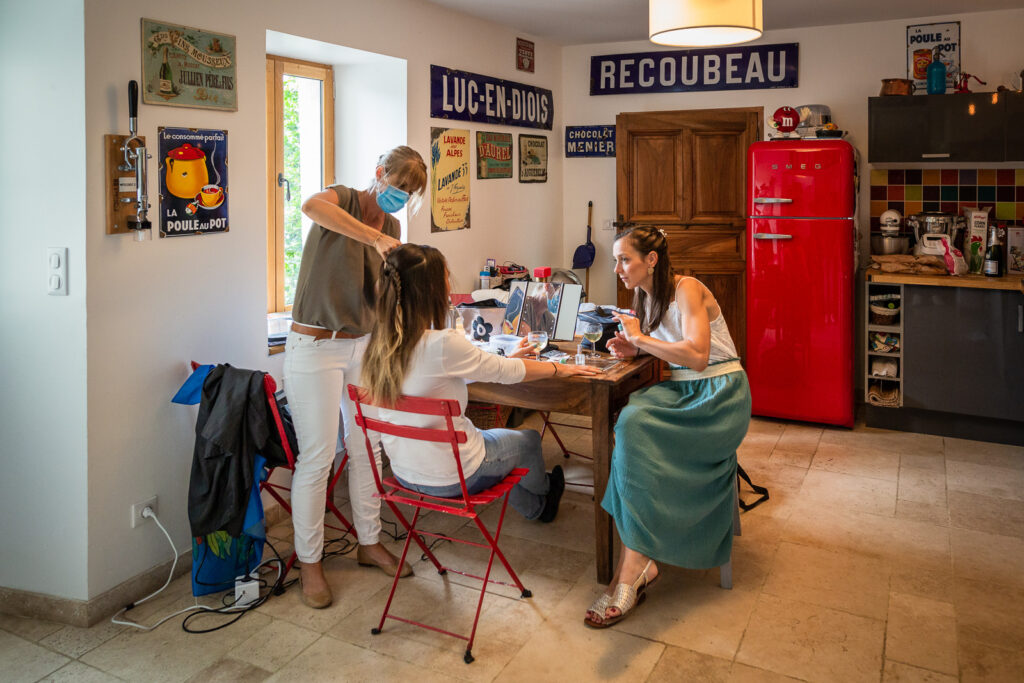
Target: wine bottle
[(994, 254), (166, 77)]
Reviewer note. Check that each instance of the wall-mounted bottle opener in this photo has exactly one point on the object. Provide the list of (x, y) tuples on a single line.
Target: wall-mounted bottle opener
[(127, 177)]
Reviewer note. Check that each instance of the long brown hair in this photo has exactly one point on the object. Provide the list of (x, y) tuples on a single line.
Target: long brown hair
[(646, 239), (412, 296)]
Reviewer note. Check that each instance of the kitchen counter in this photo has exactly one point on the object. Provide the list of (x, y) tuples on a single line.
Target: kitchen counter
[(1007, 282)]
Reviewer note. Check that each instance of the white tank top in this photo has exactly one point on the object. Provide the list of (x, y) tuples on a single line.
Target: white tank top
[(671, 330)]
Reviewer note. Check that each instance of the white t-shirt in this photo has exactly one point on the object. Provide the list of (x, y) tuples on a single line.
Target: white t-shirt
[(439, 367)]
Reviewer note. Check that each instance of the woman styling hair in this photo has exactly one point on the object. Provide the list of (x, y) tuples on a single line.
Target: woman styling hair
[(333, 313), (410, 353), (670, 488)]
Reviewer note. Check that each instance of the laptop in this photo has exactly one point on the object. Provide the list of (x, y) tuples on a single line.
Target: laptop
[(548, 306)]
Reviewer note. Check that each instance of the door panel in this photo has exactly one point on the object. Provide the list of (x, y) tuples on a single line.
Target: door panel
[(719, 156), (684, 172), (800, 319)]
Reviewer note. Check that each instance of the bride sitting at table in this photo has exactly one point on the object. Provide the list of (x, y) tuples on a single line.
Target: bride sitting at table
[(411, 353), (670, 487)]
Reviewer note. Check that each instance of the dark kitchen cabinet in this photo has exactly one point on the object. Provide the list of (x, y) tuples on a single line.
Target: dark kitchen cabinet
[(963, 351), (940, 128), (1014, 126)]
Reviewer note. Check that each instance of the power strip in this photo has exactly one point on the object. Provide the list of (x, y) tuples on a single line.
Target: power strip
[(246, 593)]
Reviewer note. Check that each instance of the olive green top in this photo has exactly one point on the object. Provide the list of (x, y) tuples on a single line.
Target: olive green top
[(338, 275)]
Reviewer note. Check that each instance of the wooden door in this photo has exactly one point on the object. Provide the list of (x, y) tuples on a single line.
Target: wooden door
[(684, 171)]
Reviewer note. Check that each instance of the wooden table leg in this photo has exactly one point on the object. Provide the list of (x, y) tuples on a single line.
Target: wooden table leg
[(601, 448)]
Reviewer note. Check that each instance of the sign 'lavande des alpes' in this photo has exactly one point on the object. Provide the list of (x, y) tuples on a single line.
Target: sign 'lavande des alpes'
[(467, 96), (753, 67)]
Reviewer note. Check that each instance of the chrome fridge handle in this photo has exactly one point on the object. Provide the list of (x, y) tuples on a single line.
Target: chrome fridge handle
[(772, 200), (771, 236)]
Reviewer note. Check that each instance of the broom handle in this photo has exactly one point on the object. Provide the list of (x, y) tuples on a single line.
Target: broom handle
[(590, 217)]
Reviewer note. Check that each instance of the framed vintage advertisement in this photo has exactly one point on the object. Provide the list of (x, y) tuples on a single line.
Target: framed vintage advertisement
[(493, 155), (922, 39), (1015, 250), (533, 159), (449, 179), (193, 172), (524, 54), (188, 67)]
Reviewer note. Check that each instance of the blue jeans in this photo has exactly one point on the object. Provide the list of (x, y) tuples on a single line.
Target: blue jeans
[(504, 450)]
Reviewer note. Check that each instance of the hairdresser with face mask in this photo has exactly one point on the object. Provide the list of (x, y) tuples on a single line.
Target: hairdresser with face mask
[(333, 314)]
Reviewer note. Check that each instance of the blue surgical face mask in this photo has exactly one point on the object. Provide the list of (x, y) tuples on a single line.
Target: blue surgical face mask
[(391, 199)]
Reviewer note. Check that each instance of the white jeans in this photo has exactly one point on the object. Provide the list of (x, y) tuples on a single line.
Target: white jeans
[(316, 374)]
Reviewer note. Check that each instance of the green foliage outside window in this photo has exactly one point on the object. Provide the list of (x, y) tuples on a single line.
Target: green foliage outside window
[(292, 207)]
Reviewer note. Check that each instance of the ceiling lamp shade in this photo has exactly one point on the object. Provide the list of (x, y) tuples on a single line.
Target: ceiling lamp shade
[(703, 23)]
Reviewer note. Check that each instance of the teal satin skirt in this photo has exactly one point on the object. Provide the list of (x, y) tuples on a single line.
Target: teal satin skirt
[(670, 488)]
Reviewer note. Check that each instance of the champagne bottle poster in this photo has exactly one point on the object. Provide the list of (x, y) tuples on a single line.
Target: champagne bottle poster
[(449, 185), (188, 67), (193, 172)]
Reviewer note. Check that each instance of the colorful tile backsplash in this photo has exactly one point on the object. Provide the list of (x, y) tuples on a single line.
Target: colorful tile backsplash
[(913, 190)]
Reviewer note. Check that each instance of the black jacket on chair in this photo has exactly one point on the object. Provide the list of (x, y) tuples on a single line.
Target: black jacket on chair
[(234, 424)]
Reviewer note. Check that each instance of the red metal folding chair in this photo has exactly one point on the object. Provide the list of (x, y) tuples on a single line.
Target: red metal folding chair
[(270, 387), (467, 505)]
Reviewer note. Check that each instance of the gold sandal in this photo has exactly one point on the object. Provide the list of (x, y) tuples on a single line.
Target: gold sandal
[(625, 598), (598, 608)]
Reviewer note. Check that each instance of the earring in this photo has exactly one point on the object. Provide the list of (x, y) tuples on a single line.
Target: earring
[(650, 270)]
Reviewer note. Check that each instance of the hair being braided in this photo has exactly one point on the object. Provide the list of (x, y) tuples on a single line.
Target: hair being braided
[(412, 296)]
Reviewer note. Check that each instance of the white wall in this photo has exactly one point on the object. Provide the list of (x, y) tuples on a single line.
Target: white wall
[(43, 365), (840, 66), (155, 305)]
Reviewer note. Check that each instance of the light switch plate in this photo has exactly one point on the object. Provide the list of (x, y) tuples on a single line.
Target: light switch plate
[(57, 271)]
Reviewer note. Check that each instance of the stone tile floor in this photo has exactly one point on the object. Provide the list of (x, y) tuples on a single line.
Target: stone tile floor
[(881, 556)]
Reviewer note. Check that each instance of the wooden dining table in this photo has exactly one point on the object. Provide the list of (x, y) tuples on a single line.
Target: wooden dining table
[(600, 397)]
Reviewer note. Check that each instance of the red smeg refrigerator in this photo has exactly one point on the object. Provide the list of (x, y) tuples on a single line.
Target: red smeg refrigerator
[(801, 196)]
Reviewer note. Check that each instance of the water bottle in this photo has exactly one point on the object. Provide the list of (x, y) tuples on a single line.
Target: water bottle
[(485, 279), (936, 74)]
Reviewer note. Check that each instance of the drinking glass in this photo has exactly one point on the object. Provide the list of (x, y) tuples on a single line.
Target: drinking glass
[(538, 340), (592, 332)]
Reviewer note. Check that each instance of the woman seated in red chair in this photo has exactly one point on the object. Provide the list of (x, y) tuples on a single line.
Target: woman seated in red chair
[(411, 353)]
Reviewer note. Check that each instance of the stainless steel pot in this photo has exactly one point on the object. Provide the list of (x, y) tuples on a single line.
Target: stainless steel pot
[(889, 244), (934, 222)]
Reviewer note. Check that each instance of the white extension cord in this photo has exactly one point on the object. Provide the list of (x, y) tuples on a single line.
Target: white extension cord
[(148, 512)]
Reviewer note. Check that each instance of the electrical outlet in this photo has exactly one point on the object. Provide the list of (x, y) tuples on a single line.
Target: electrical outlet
[(137, 509)]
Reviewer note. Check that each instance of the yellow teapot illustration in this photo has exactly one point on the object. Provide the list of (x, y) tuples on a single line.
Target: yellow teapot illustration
[(186, 171)]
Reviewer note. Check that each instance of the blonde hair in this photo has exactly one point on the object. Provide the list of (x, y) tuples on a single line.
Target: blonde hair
[(412, 296), (404, 168)]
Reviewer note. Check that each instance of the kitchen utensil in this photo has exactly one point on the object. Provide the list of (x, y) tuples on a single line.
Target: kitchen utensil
[(890, 244), (897, 86), (584, 255), (935, 223)]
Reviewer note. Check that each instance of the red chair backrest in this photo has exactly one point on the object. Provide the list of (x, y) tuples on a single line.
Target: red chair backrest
[(270, 388), (439, 407)]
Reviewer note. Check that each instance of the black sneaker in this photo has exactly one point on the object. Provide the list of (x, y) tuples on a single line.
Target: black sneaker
[(556, 486)]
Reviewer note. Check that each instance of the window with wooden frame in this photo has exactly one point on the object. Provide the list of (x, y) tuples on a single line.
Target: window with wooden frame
[(300, 162)]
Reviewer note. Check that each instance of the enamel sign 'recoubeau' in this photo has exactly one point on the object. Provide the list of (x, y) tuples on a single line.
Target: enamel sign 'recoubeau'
[(466, 96), (731, 68)]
